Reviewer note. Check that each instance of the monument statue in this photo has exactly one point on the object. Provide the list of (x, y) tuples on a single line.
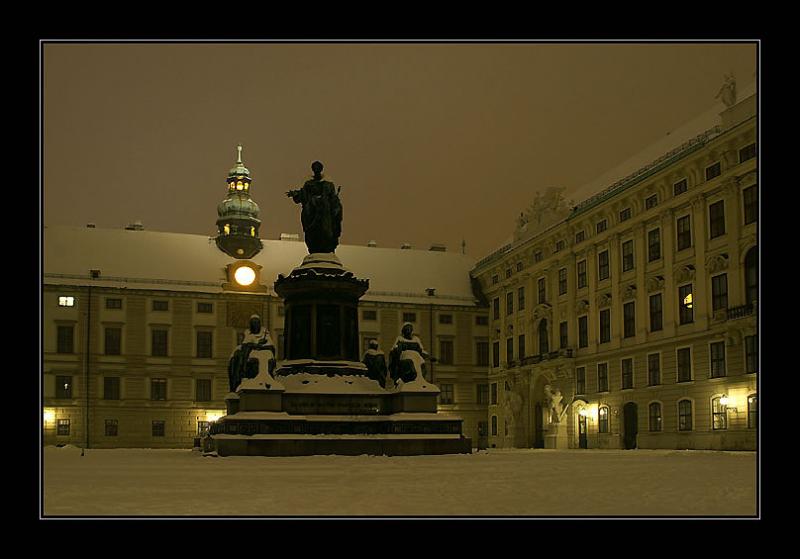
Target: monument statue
[(546, 209), (255, 352), (376, 363), (553, 400), (728, 90), (322, 212), (407, 357)]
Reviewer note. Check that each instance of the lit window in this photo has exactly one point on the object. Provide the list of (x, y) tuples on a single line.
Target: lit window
[(687, 301), (66, 301), (602, 419), (227, 229), (239, 185), (252, 231)]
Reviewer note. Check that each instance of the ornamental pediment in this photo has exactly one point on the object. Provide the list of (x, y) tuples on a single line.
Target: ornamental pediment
[(717, 263), (543, 310), (655, 283), (627, 291), (603, 300), (684, 273), (582, 306)]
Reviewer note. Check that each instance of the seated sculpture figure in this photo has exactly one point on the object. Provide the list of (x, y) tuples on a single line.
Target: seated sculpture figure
[(254, 354), (407, 357), (376, 363)]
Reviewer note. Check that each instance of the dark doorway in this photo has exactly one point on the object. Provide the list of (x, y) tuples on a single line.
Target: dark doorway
[(630, 422), (538, 427), (582, 441)]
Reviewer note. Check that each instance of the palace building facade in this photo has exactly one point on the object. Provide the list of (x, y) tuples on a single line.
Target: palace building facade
[(638, 304)]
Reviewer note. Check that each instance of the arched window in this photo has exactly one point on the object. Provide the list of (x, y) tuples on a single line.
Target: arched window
[(655, 416), (685, 415), (719, 414), (751, 275), (602, 419), (752, 411), (544, 346)]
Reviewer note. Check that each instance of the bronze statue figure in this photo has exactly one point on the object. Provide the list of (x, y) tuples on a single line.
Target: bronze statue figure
[(376, 363), (322, 212), (256, 345)]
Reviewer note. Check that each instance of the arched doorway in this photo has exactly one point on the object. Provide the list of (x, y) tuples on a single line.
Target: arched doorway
[(630, 425)]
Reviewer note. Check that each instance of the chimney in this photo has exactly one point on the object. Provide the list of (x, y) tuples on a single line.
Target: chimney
[(405, 246), (438, 247), (372, 244), (90, 225), (135, 226)]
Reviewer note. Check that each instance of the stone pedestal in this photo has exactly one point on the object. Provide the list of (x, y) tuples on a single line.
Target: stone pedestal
[(556, 436)]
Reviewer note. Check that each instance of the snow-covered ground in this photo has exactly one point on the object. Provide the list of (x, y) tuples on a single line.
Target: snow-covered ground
[(119, 482)]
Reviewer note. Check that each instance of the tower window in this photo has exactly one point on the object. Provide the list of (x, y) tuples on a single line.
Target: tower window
[(252, 231), (239, 185), (227, 229)]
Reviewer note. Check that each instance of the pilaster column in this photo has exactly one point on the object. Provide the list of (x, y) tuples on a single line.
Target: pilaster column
[(640, 256), (593, 322), (701, 301), (615, 266), (669, 301)]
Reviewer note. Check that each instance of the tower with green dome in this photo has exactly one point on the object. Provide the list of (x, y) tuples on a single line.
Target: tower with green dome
[(238, 223)]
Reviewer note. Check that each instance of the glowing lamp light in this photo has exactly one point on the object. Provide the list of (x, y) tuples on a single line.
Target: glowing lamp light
[(244, 275), (724, 400), (49, 416), (213, 416), (583, 413)]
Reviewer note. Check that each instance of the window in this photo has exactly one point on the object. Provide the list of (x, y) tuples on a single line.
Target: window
[(559, 246), (113, 341), (562, 281), (509, 303), (446, 352), (580, 236), (685, 415), (583, 331), (483, 393), (62, 427), (654, 369), (563, 329), (496, 354), (521, 298), (544, 345), (505, 427), (716, 219), (446, 393), (202, 428), (202, 390), (719, 414), (580, 380), (204, 343), (158, 389), (508, 273), (160, 305), (750, 200), (627, 373), (602, 377), (717, 350), (509, 349), (64, 387), (481, 320), (651, 202), (112, 427), (747, 152), (656, 313), (629, 319), (719, 292), (605, 326), (494, 425), (445, 319), (625, 214), (601, 226), (542, 290), (494, 394), (158, 427), (111, 388), (685, 302), (602, 419), (680, 187), (713, 171), (495, 308), (205, 307), (582, 274), (521, 345), (627, 256), (684, 233), (520, 265), (750, 354), (684, 364), (751, 276), (655, 417), (602, 265), (113, 303), (482, 353), (495, 279), (159, 342), (369, 315), (653, 245), (65, 338), (752, 411), (412, 317), (66, 301), (537, 256)]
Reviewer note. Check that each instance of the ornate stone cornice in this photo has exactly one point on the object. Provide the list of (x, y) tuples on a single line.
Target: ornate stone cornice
[(683, 273), (603, 300), (542, 310), (717, 263), (627, 291), (655, 283), (581, 306)]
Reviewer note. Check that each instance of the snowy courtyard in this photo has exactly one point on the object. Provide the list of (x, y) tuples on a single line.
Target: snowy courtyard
[(143, 482)]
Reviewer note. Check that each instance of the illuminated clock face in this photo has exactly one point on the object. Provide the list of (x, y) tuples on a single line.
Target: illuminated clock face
[(244, 275)]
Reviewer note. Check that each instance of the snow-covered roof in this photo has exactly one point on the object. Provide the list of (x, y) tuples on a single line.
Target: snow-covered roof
[(186, 262)]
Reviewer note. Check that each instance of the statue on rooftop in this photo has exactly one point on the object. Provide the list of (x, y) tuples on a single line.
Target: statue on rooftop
[(254, 353), (322, 212), (407, 358), (728, 90)]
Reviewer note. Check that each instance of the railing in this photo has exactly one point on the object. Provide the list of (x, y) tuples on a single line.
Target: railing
[(741, 311), (534, 359)]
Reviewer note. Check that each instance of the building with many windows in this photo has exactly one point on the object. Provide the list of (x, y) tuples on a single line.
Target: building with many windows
[(639, 304)]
